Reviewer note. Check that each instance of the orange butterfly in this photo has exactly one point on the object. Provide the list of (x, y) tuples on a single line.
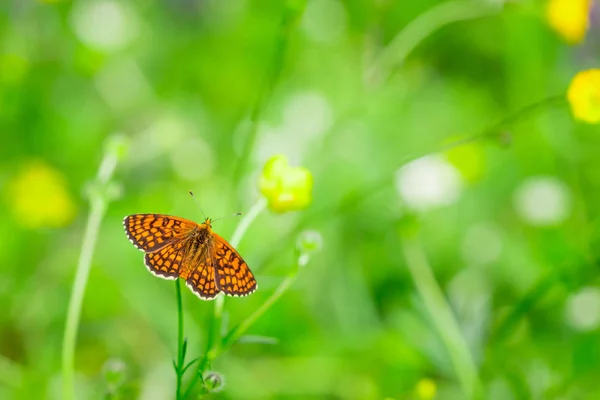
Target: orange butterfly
[(176, 247)]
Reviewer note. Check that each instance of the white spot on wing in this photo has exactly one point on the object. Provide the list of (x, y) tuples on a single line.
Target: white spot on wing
[(169, 278), (242, 294), (198, 293)]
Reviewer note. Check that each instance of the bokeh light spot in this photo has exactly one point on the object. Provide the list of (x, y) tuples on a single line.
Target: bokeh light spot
[(469, 159), (426, 389), (192, 159), (325, 20), (307, 114), (104, 25), (481, 244), (39, 198), (122, 84), (583, 309), (428, 182), (543, 201)]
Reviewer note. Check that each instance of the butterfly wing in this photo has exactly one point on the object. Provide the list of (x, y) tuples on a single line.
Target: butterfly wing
[(202, 279), (166, 262), (152, 232), (232, 274), (199, 270), (172, 252)]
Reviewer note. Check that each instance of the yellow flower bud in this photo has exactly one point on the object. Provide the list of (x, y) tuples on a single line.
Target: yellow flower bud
[(285, 188), (570, 18), (584, 96)]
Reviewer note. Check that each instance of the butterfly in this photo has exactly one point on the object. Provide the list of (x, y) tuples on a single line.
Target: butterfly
[(178, 248)]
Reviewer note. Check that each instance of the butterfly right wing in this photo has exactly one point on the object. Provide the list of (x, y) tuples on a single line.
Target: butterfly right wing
[(233, 276), (201, 280), (152, 232), (199, 273)]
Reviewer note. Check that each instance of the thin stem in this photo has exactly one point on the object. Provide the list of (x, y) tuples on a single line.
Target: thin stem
[(98, 206), (239, 232), (363, 194), (180, 355), (442, 316), (238, 331), (77, 293), (524, 305), (215, 328), (289, 18), (420, 28), (247, 219), (495, 131), (212, 343)]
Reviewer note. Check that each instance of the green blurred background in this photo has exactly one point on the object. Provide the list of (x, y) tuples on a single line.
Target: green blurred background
[(204, 92)]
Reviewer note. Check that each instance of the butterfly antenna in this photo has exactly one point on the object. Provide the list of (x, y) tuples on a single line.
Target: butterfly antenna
[(198, 203), (227, 216)]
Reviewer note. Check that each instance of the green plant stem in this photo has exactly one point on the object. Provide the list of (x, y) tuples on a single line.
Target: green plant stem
[(493, 132), (239, 330), (421, 27), (524, 305), (288, 20), (180, 355), (212, 343), (236, 238), (98, 206), (441, 315), (361, 195), (247, 219)]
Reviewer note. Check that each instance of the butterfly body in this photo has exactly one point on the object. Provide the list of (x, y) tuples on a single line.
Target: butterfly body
[(178, 248)]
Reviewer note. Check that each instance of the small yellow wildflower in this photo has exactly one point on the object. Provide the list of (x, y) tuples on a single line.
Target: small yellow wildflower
[(39, 198), (426, 389), (584, 96), (570, 18), (285, 188)]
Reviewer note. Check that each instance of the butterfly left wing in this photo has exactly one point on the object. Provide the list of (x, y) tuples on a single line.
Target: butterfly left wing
[(166, 262), (201, 279), (152, 232), (233, 277)]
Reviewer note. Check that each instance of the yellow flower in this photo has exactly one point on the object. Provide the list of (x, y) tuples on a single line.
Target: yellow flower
[(426, 389), (584, 96), (39, 198), (570, 18), (285, 188)]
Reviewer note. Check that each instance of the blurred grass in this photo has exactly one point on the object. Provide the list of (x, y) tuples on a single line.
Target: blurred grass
[(206, 92)]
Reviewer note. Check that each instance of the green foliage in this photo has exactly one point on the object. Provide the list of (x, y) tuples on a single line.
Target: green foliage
[(442, 239)]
